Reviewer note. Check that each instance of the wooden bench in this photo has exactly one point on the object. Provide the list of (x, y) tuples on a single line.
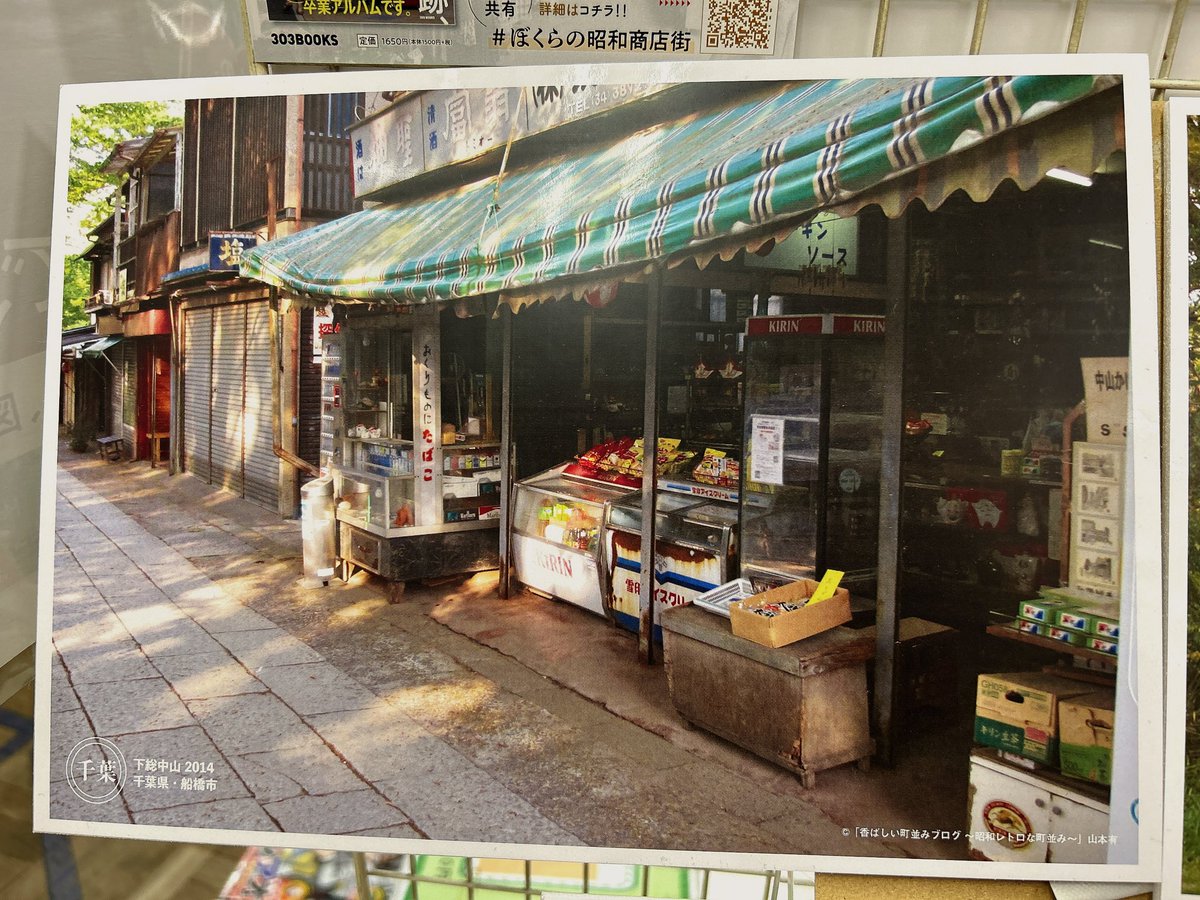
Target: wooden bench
[(111, 447)]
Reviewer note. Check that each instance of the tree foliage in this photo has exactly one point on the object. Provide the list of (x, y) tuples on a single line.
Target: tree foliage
[(95, 131), (1191, 824)]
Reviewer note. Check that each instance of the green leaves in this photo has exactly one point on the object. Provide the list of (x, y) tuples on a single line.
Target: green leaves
[(95, 131)]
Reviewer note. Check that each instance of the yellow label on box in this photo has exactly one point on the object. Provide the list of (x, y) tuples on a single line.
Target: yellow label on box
[(828, 585)]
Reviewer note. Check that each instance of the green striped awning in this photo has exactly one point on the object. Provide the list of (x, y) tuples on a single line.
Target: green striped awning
[(685, 188)]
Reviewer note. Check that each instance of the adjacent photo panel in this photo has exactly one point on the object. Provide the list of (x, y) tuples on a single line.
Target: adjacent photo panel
[(346, 511), (1181, 856)]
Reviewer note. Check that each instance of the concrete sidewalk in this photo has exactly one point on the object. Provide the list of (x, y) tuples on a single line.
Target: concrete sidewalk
[(183, 634)]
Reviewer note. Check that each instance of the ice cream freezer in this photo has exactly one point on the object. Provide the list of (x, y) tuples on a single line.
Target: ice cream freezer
[(695, 551), (1019, 815), (556, 536)]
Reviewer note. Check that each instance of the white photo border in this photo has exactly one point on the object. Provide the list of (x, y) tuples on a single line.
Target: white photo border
[(1141, 616)]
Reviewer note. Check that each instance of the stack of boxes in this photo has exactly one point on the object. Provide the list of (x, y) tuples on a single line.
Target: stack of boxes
[(1050, 720), (1073, 618)]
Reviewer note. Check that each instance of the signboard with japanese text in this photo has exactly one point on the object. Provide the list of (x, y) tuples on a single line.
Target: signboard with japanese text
[(225, 249), (515, 32), (420, 133), (1106, 392), (827, 242)]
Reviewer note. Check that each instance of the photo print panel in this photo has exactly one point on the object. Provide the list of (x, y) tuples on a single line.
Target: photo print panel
[(344, 546)]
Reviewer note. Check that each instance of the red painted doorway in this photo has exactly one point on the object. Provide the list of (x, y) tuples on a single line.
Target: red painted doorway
[(154, 381)]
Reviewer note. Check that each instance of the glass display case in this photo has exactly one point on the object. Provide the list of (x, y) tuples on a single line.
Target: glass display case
[(556, 536), (408, 505), (379, 503), (695, 551), (331, 402), (813, 419)]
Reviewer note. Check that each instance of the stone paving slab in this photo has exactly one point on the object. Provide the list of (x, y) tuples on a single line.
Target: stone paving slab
[(311, 768), (102, 629), (378, 742), (124, 707), (250, 723), (238, 815), (64, 804), (188, 753), (337, 813), (315, 688), (67, 728), (202, 676), (62, 696), (225, 617), (436, 789), (105, 665), (267, 647), (181, 638)]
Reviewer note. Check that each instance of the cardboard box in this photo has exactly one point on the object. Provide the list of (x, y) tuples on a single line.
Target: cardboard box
[(1075, 620), (789, 627), (1043, 609), (1108, 629), (1018, 712), (1066, 636), (1086, 736), (1026, 626), (1100, 645)]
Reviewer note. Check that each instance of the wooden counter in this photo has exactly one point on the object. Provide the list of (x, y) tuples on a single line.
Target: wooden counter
[(803, 706)]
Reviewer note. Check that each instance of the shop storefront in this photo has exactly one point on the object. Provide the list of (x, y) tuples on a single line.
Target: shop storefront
[(826, 375)]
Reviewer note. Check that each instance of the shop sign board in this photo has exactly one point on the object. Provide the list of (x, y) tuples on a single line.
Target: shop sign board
[(436, 128), (826, 241), (225, 249), (516, 32), (1106, 395)]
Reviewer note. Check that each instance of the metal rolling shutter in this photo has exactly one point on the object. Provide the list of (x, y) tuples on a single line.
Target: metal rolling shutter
[(197, 391), (128, 366), (228, 396), (261, 471), (116, 396)]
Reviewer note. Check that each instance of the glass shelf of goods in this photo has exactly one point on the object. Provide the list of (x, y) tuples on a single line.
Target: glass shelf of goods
[(379, 503)]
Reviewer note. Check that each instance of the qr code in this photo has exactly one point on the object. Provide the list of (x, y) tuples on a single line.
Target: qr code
[(739, 26)]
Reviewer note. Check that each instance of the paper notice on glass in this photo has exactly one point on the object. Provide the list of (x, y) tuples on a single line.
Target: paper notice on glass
[(1106, 391), (766, 456)]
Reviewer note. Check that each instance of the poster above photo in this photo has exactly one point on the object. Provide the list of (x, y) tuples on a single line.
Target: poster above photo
[(516, 32)]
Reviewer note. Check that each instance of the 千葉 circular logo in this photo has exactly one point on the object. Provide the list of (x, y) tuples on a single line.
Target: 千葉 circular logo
[(96, 770)]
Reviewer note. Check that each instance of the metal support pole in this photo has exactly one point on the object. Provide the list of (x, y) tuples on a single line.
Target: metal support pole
[(881, 21), (649, 468), (362, 882), (981, 11), (506, 473), (887, 607), (1168, 57), (1077, 26)]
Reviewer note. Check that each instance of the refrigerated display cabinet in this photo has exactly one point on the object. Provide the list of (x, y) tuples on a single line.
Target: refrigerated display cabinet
[(556, 536), (695, 551), (813, 435)]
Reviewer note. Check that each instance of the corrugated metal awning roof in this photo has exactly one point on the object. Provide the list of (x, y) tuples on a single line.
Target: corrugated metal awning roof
[(708, 183)]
